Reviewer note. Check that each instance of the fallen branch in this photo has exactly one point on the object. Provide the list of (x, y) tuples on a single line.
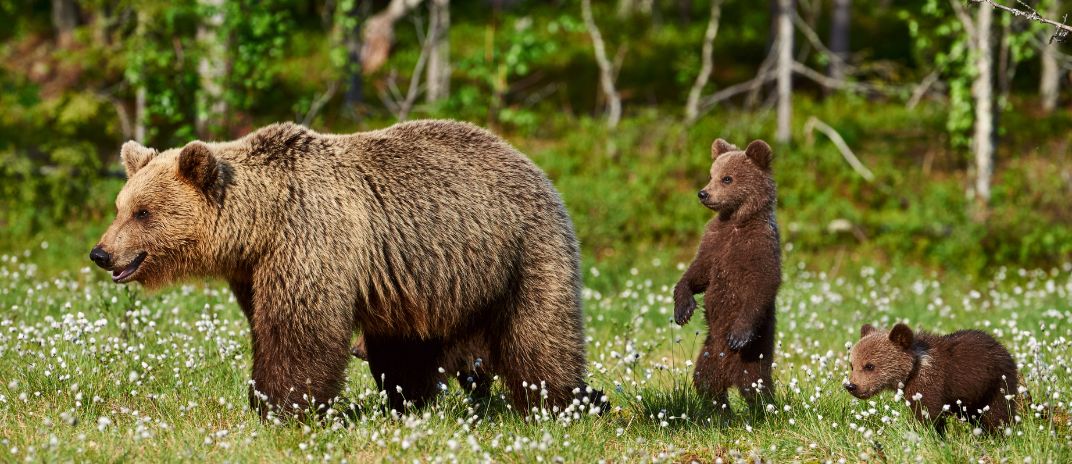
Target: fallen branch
[(1060, 35), (922, 89), (814, 123), (727, 93)]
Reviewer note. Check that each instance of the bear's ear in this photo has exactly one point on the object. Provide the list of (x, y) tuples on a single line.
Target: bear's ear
[(760, 153), (901, 336), (197, 165), (866, 330), (721, 146), (135, 156)]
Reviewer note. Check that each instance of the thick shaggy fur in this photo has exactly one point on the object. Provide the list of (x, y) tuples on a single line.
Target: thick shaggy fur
[(967, 373), (738, 268), (423, 235)]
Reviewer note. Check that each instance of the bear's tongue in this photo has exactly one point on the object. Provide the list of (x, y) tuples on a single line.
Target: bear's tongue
[(121, 274)]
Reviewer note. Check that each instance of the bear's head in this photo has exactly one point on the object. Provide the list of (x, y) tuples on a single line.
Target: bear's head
[(741, 181), (880, 360), (162, 215)]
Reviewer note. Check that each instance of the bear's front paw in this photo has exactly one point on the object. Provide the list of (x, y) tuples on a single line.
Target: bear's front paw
[(683, 310), (739, 339)]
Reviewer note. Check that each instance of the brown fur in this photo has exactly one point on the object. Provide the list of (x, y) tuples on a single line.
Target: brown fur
[(738, 269), (423, 235), (934, 371)]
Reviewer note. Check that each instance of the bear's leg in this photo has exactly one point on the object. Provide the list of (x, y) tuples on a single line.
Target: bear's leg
[(301, 340), (999, 413), (539, 350), (407, 369), (714, 367), (755, 382)]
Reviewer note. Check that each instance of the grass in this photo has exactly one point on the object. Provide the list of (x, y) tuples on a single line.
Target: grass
[(95, 371)]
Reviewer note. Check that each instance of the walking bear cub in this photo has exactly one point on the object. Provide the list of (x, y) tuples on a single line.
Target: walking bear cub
[(966, 373), (738, 269), (426, 236)]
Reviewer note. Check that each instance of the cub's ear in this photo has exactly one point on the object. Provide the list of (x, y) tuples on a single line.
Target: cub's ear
[(901, 336), (760, 153), (197, 165), (721, 146), (135, 156), (866, 330)]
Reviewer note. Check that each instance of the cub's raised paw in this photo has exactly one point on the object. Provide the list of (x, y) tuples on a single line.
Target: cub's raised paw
[(683, 311)]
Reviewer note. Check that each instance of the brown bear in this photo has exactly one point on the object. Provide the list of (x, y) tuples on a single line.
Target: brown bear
[(467, 361), (738, 268), (967, 374), (422, 235)]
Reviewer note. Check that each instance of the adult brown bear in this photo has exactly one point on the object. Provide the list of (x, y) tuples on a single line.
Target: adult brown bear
[(422, 234)]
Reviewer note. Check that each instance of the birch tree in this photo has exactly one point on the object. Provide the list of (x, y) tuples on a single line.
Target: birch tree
[(606, 69), (438, 71), (784, 70), (692, 106), (1050, 74), (211, 69)]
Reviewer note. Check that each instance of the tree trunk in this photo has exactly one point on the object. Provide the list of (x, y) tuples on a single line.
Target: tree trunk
[(692, 106), (606, 69), (212, 71), (785, 70), (982, 92), (1050, 80), (354, 77), (64, 19), (839, 38), (438, 72), (380, 31), (139, 114)]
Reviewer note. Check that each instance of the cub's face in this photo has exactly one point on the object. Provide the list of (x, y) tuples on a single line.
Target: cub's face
[(880, 361), (159, 223), (738, 178)]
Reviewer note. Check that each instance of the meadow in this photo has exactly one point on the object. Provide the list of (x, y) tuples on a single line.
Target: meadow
[(96, 371), (99, 372)]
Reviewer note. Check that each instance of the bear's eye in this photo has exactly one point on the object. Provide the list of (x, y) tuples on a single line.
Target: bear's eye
[(727, 180), (869, 367), (141, 214)]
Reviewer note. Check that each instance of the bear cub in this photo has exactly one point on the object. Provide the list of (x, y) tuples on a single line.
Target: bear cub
[(738, 269), (967, 374)]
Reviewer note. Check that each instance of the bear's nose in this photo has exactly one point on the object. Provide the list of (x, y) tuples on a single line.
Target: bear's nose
[(101, 257), (851, 387), (702, 195)]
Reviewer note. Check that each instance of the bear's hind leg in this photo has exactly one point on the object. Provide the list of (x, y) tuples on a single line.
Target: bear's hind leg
[(406, 369), (999, 414), (710, 374), (540, 350)]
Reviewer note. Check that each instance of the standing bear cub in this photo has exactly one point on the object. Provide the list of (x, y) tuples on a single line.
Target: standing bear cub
[(738, 269), (424, 235), (966, 373)]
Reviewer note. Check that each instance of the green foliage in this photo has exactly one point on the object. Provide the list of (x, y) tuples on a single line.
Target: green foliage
[(257, 31)]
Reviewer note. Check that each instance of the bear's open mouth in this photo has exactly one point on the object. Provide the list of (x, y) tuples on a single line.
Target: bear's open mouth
[(120, 275)]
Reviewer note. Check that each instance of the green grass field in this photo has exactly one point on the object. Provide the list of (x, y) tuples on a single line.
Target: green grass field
[(95, 371)]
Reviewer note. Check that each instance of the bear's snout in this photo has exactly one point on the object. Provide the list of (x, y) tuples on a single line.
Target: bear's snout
[(100, 257), (703, 195), (851, 387)]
